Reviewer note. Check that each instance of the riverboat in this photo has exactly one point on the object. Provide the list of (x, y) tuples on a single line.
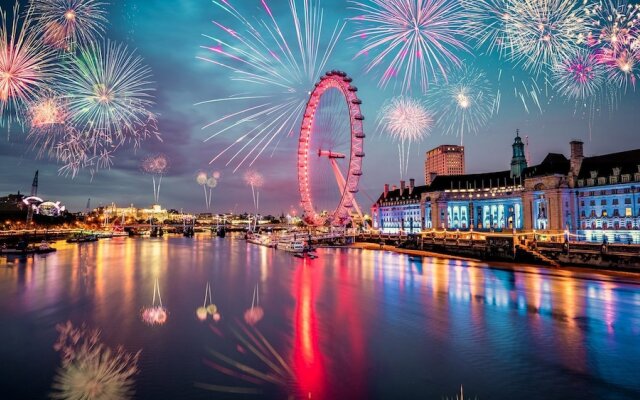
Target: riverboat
[(291, 245), (82, 238), (260, 239)]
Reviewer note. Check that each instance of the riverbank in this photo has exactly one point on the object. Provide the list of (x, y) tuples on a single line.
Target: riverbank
[(410, 252), (572, 271)]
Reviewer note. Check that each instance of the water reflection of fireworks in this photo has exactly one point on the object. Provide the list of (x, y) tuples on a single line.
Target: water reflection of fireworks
[(156, 314), (211, 309), (255, 362), (90, 369), (254, 314)]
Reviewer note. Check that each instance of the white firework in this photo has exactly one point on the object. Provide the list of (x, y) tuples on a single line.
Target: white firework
[(540, 33), (406, 120), (67, 23)]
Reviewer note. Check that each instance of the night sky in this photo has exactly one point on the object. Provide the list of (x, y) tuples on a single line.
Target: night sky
[(168, 35)]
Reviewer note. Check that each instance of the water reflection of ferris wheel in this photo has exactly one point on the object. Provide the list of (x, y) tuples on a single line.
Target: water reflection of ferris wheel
[(330, 151)]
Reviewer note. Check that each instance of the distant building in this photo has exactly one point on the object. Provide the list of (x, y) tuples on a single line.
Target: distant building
[(443, 160), (593, 198), (113, 212), (12, 203)]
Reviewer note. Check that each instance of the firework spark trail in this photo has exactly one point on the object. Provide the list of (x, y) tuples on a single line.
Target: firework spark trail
[(463, 105), (407, 121), (420, 39), (91, 370), (542, 32), (26, 65), (272, 369), (201, 179), (68, 23), (280, 67), (486, 24)]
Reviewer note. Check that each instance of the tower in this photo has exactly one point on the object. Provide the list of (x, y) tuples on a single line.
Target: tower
[(34, 192), (443, 160), (519, 159)]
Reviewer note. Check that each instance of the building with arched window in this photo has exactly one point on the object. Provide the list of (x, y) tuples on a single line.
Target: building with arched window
[(594, 198)]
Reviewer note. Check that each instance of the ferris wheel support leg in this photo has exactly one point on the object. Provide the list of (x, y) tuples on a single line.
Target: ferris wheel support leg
[(342, 183)]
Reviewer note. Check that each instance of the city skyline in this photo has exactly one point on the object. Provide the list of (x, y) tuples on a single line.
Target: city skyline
[(170, 47)]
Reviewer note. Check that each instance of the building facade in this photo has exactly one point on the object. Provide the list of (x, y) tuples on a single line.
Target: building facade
[(443, 160), (587, 198), (399, 210)]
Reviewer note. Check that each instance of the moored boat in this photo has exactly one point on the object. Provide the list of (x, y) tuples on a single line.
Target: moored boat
[(260, 239), (82, 238), (292, 245), (44, 247)]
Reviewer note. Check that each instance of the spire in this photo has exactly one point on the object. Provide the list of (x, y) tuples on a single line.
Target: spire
[(518, 159)]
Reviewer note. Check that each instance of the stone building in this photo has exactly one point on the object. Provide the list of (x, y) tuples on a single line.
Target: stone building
[(593, 198)]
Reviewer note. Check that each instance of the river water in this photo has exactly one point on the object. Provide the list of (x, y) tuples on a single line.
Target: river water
[(351, 324)]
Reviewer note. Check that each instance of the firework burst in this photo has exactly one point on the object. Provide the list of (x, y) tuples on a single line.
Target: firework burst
[(47, 117), (615, 37), (578, 77), (25, 64), (91, 370), (156, 166), (279, 67), (406, 120), (108, 94), (487, 23), (108, 90), (463, 105), (415, 40), (68, 23), (255, 180), (156, 314), (540, 33)]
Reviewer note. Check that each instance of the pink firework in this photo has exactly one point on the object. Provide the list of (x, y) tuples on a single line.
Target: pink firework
[(47, 117), (254, 179), (47, 110), (419, 40), (25, 64), (579, 77), (154, 315), (614, 36), (254, 314), (158, 164)]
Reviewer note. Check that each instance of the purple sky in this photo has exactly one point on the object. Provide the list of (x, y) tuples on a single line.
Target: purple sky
[(168, 35)]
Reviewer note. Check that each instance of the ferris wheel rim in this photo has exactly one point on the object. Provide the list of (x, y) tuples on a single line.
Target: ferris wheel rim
[(341, 214)]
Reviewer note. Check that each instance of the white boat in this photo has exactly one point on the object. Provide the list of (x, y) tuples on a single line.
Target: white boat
[(291, 245), (262, 240), (119, 234)]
